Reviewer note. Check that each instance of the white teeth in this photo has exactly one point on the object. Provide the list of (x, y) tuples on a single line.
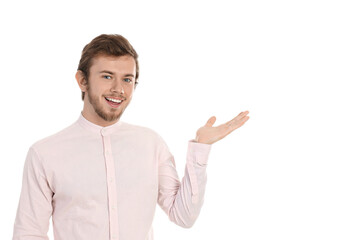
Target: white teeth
[(114, 100)]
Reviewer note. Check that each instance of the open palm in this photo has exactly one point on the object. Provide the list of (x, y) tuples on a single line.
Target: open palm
[(209, 134)]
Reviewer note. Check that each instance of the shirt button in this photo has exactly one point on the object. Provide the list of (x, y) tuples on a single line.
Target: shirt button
[(113, 207), (103, 131), (111, 179)]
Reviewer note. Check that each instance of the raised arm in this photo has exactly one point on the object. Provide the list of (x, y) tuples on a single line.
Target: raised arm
[(183, 200)]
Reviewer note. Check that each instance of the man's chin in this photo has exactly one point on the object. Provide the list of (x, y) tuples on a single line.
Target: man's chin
[(109, 117), (112, 118)]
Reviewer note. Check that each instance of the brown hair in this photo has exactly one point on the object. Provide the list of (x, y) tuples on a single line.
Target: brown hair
[(108, 44)]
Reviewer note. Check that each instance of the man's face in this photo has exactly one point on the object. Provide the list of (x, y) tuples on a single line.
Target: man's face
[(109, 77)]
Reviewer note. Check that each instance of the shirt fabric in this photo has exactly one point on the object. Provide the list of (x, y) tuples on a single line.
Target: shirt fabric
[(103, 183)]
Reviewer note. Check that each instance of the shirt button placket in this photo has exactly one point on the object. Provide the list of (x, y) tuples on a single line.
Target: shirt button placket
[(110, 175)]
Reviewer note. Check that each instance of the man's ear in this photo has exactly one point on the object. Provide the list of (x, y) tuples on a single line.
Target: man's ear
[(80, 78)]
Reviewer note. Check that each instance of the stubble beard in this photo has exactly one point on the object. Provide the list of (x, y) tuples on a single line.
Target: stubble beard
[(105, 115)]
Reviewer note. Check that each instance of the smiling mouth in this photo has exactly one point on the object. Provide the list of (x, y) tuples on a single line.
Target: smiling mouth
[(115, 103)]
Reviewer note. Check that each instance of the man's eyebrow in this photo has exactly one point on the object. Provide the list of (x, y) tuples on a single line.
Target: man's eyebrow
[(129, 75), (109, 72), (106, 71)]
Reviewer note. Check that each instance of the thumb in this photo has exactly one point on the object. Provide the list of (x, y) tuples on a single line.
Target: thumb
[(211, 121)]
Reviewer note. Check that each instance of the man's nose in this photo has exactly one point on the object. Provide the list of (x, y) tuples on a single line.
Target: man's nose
[(118, 86)]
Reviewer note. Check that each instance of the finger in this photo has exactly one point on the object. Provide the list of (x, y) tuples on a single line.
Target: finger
[(241, 116), (226, 129), (243, 113), (236, 119), (211, 121), (242, 122), (235, 123)]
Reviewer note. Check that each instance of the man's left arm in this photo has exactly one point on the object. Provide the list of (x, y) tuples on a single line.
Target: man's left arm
[(183, 200)]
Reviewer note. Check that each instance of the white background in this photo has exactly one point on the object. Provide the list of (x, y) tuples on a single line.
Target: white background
[(291, 172)]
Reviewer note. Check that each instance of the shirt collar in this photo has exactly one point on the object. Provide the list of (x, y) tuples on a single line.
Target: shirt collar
[(104, 131)]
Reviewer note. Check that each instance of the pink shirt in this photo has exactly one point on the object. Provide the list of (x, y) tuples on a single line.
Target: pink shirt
[(103, 183)]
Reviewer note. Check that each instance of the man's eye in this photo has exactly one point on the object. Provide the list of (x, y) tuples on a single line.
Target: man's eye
[(127, 80), (107, 77)]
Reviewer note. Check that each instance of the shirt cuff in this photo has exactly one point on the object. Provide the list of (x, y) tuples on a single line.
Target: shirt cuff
[(200, 151)]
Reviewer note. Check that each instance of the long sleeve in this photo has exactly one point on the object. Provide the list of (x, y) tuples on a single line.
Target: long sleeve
[(182, 201), (35, 204), (96, 183)]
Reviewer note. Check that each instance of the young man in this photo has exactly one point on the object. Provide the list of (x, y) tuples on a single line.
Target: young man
[(101, 178)]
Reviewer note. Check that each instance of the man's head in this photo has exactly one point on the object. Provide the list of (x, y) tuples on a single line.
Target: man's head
[(108, 68)]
